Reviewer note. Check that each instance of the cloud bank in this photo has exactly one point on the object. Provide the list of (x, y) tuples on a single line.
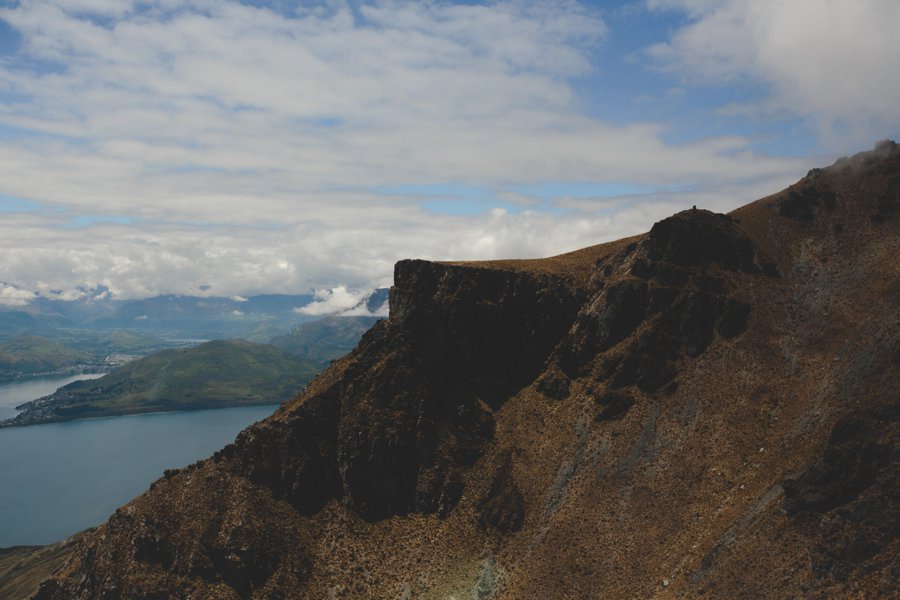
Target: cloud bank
[(223, 148)]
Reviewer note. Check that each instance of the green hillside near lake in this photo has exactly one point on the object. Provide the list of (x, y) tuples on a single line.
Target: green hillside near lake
[(37, 354), (216, 374), (326, 339)]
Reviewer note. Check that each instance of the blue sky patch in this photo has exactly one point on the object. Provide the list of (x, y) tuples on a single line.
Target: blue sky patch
[(82, 221), (12, 204)]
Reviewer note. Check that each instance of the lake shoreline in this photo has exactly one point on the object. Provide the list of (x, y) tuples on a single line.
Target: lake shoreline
[(22, 377), (41, 420)]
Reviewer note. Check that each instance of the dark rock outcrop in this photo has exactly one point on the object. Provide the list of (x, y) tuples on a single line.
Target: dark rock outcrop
[(699, 237), (503, 507), (854, 488), (414, 406), (613, 406), (295, 458), (677, 300), (851, 463)]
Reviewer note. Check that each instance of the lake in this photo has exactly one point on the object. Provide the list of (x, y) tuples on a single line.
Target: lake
[(59, 478)]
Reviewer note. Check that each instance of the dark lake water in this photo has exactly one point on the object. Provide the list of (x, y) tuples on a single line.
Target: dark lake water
[(60, 478)]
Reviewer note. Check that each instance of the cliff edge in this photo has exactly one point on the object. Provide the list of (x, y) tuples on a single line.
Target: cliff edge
[(707, 410)]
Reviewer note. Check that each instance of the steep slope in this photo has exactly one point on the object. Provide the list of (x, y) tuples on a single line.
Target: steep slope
[(22, 568), (707, 410), (212, 375)]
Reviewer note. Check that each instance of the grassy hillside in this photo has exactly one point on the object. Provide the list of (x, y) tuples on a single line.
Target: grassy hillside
[(215, 374), (116, 341), (326, 339), (37, 354)]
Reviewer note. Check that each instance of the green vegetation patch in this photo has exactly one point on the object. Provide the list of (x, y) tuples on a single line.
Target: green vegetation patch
[(216, 374), (37, 354)]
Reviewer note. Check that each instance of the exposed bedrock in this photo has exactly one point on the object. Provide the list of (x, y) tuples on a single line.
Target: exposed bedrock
[(677, 298), (414, 405)]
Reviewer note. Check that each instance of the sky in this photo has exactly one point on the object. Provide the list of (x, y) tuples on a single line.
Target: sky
[(216, 147)]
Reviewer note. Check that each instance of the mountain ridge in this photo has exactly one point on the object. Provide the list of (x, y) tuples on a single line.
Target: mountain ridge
[(704, 410)]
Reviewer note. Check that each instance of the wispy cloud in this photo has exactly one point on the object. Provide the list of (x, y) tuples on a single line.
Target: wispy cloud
[(833, 63)]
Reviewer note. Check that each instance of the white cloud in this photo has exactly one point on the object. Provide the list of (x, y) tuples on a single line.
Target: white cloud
[(338, 300), (834, 62), (11, 295)]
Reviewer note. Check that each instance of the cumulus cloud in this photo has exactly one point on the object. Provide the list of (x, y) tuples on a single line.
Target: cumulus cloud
[(337, 301), (10, 295), (834, 62)]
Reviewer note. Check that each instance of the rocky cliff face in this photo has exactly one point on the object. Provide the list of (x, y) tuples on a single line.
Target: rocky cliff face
[(415, 405), (708, 410)]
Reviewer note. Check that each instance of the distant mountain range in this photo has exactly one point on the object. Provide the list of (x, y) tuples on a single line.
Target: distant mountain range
[(170, 315), (167, 316), (90, 328)]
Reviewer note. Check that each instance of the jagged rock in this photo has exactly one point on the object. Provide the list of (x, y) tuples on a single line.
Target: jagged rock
[(676, 299), (294, 458), (856, 486), (797, 206)]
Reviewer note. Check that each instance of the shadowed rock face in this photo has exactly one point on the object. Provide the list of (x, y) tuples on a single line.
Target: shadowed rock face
[(695, 238), (854, 489), (412, 419), (678, 298), (707, 410), (294, 458), (415, 406), (852, 462), (503, 507)]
